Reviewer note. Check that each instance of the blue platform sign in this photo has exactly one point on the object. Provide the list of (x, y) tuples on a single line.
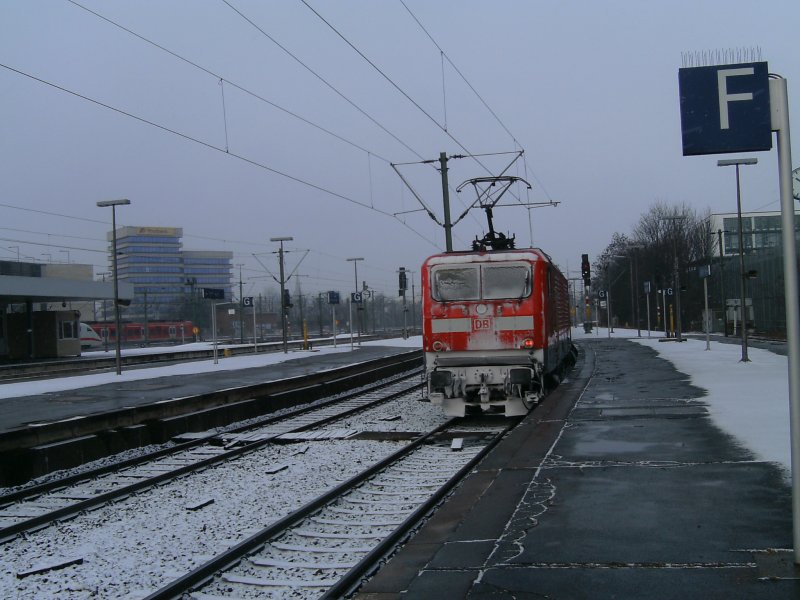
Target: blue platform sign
[(725, 108)]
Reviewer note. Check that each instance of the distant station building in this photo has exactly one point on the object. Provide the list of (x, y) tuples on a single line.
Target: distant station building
[(166, 279), (765, 312), (39, 317), (761, 231)]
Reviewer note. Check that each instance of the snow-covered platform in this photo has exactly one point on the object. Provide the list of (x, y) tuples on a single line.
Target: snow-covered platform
[(62, 398), (634, 479)]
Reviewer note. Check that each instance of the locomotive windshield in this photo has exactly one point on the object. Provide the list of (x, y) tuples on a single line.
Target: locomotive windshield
[(506, 281), (455, 284), (485, 282)]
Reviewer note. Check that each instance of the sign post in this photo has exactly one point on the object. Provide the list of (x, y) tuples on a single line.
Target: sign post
[(333, 300), (780, 123), (735, 108), (705, 273), (248, 301)]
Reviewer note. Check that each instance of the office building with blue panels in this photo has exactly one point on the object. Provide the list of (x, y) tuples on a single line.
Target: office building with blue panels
[(165, 277)]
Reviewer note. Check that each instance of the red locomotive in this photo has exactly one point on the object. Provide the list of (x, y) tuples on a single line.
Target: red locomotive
[(496, 320), (495, 324)]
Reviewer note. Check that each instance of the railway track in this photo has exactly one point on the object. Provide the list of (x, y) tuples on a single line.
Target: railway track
[(325, 548), (36, 506)]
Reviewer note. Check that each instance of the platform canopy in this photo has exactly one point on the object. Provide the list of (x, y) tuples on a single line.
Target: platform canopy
[(16, 289)]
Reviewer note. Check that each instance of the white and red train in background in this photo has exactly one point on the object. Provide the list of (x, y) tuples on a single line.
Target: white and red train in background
[(95, 334), (496, 325)]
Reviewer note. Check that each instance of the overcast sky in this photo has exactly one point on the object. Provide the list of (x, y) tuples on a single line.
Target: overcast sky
[(588, 89)]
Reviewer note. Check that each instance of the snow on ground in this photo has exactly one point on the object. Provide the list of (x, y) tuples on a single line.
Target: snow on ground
[(132, 547), (747, 400), (247, 361)]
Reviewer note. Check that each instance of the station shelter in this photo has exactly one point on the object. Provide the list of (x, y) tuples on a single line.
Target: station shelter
[(36, 318)]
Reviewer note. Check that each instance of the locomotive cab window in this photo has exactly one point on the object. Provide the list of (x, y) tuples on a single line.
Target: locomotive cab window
[(451, 283), (484, 282), (507, 281)]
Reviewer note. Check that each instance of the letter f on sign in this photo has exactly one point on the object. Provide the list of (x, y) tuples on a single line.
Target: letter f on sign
[(725, 97)]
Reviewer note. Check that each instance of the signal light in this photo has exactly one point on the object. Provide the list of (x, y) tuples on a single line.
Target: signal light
[(586, 270)]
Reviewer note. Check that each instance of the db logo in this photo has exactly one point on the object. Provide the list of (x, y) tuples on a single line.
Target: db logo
[(481, 324)]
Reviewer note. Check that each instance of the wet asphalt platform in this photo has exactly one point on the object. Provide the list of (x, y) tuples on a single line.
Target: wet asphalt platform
[(618, 486)]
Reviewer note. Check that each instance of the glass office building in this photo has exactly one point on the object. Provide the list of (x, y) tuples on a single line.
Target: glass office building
[(164, 275), (763, 268)]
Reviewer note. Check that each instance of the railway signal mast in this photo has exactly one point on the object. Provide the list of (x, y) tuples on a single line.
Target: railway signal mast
[(586, 274)]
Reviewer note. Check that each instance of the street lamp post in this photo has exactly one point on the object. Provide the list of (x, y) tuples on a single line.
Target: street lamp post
[(355, 271), (728, 163), (634, 275), (283, 290), (113, 204)]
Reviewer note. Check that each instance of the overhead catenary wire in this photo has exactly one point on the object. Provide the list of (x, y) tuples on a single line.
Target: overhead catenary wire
[(397, 87), (104, 251), (444, 56), (382, 73), (485, 104), (216, 148), (262, 99), (337, 91), (324, 81), (224, 112), (53, 214), (219, 77)]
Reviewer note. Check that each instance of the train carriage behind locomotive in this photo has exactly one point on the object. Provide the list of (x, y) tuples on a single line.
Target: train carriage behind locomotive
[(495, 325)]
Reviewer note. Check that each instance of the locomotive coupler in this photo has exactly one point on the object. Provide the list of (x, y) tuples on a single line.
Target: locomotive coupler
[(483, 392)]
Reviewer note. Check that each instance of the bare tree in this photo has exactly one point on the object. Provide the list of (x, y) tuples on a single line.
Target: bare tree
[(666, 237)]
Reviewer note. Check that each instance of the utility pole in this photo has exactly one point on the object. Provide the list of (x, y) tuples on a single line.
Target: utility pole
[(319, 306), (241, 307), (354, 260), (146, 326), (191, 282), (283, 290), (636, 287), (678, 333), (448, 226), (413, 305), (676, 275)]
